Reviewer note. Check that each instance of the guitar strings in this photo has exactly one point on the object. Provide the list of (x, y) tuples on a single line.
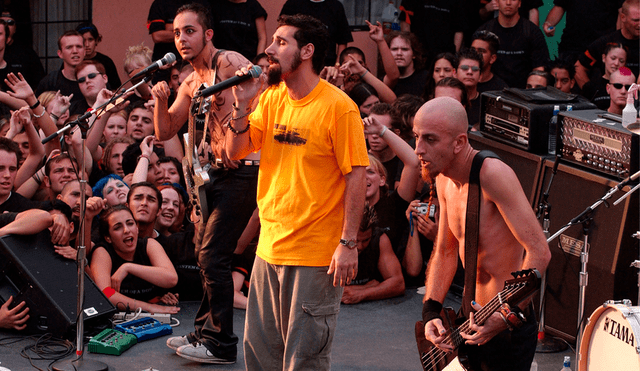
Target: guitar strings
[(435, 355)]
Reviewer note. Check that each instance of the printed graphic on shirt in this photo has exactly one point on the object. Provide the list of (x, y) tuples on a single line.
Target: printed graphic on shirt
[(288, 136)]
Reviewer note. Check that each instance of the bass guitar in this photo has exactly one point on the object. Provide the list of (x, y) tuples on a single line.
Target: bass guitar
[(194, 175), (522, 286)]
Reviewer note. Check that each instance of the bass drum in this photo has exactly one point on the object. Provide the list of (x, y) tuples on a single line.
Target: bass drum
[(610, 339)]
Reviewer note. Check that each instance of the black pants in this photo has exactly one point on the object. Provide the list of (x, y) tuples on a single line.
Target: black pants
[(231, 196), (509, 350)]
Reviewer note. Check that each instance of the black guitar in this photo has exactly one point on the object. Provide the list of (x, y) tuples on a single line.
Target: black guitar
[(524, 284), (194, 175)]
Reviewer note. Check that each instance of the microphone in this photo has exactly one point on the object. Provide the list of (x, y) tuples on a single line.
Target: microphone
[(167, 59), (254, 72)]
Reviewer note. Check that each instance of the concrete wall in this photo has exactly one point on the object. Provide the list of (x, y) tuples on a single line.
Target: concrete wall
[(123, 23)]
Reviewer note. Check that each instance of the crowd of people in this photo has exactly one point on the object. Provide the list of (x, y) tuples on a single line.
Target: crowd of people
[(317, 152)]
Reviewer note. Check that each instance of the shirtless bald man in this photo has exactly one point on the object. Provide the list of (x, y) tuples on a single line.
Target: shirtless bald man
[(510, 238)]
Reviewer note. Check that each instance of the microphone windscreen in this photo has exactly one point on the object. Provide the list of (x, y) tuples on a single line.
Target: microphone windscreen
[(255, 71)]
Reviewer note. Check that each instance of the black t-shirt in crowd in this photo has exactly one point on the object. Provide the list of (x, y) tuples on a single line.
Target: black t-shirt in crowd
[(586, 21), (111, 70), (55, 81), (592, 58), (234, 26), (413, 84), (434, 22), (329, 12), (522, 48), (496, 83)]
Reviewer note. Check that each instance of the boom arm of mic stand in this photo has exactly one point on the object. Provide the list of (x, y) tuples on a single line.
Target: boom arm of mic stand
[(88, 114)]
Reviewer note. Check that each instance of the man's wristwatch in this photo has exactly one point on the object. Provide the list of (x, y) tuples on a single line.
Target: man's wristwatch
[(351, 244)]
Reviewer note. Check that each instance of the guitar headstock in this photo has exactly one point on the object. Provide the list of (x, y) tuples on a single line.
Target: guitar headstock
[(524, 284)]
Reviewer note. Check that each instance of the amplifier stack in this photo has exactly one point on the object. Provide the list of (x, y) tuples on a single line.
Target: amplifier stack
[(596, 153)]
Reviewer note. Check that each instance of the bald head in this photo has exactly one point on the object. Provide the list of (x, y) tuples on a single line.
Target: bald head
[(445, 112)]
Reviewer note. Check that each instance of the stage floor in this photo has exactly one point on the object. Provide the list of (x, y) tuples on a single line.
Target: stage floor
[(370, 336)]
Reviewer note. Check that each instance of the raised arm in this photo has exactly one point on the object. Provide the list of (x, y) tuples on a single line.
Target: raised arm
[(411, 172), (392, 73), (167, 121), (553, 18), (36, 149), (101, 274)]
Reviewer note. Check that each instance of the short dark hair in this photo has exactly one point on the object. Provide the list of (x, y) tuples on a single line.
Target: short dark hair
[(352, 50), (545, 74), (563, 64), (91, 28), (452, 82), (490, 38), (132, 153), (144, 184), (309, 31), (56, 159), (66, 34), (10, 146), (201, 11), (176, 163), (360, 92), (402, 109), (472, 54), (381, 109)]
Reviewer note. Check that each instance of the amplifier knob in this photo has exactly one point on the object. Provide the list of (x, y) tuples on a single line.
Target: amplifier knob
[(589, 155), (606, 168), (606, 161), (600, 166), (601, 159)]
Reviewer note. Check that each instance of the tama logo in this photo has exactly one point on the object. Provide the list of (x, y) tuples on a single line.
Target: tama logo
[(619, 331)]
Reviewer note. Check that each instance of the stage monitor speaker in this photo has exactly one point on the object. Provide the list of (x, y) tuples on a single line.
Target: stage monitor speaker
[(31, 271), (526, 165), (612, 247)]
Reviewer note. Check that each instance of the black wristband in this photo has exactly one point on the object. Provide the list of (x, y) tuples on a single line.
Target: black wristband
[(35, 105), (431, 309)]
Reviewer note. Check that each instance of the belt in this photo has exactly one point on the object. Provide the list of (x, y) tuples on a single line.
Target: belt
[(245, 162)]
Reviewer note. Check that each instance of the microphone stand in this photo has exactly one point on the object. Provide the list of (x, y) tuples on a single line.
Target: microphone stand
[(586, 218), (545, 344), (80, 363)]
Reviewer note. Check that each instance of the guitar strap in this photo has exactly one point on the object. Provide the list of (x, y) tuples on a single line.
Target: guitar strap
[(472, 231), (214, 64)]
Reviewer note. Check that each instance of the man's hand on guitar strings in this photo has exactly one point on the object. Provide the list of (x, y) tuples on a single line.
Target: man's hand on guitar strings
[(435, 332), (480, 335)]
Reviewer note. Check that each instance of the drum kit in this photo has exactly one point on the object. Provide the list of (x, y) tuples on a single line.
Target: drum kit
[(609, 341)]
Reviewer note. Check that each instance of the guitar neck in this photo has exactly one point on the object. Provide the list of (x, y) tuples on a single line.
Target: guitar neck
[(480, 316)]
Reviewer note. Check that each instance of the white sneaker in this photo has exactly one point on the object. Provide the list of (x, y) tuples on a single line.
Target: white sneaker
[(199, 353), (177, 341)]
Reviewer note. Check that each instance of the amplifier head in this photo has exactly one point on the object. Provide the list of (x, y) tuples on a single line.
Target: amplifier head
[(592, 139), (518, 118)]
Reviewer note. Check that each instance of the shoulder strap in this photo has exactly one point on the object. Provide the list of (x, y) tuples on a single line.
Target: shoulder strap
[(214, 64), (472, 231)]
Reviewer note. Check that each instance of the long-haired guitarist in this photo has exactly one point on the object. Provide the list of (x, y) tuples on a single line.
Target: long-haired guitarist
[(230, 190), (509, 239)]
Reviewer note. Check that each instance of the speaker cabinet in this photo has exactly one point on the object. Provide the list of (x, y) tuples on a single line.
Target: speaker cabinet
[(527, 166), (31, 271), (612, 247)]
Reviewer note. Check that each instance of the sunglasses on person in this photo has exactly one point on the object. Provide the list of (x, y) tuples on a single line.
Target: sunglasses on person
[(619, 86), (91, 76), (465, 67), (9, 22)]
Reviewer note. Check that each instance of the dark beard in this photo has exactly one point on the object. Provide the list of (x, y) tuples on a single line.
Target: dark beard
[(274, 74)]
